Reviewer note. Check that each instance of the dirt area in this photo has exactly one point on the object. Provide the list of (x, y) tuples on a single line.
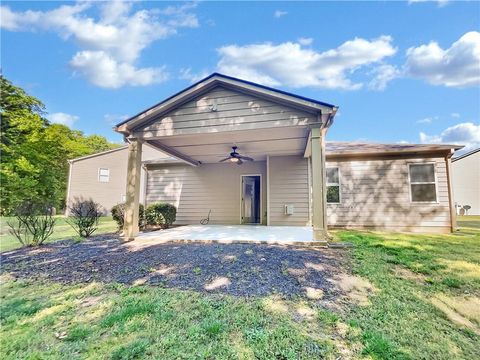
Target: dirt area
[(236, 269), (462, 310)]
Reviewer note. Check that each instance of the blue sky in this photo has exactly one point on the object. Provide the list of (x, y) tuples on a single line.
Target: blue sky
[(399, 71)]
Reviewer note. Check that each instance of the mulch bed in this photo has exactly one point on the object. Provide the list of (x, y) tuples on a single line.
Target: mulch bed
[(235, 269)]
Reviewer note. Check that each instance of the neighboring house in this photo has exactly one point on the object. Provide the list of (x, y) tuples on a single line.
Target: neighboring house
[(103, 176), (466, 182), (295, 178)]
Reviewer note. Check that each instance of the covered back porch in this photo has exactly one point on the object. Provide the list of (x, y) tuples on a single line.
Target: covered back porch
[(200, 125)]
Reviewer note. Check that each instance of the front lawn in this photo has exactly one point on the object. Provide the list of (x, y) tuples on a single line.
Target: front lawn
[(62, 231), (402, 296)]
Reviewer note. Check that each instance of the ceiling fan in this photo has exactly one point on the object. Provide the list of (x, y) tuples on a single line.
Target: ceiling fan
[(236, 158)]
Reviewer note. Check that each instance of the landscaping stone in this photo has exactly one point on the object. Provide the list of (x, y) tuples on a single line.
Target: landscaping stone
[(236, 269)]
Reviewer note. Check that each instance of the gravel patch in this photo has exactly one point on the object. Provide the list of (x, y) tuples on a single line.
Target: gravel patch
[(235, 269)]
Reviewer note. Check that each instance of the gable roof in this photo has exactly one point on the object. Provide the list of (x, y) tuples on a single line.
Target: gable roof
[(212, 81), (466, 154), (358, 148), (122, 147)]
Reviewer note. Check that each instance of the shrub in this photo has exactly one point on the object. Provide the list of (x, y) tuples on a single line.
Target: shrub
[(33, 224), (118, 214), (162, 214), (84, 216)]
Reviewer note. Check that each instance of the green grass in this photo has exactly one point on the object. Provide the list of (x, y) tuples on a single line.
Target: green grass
[(470, 221), (47, 320), (420, 281), (62, 231)]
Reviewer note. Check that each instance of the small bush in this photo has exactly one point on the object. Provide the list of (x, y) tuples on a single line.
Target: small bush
[(33, 224), (84, 216), (118, 214), (162, 214)]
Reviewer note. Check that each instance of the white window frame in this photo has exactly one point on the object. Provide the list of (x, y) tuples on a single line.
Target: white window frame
[(334, 184), (100, 175), (423, 183)]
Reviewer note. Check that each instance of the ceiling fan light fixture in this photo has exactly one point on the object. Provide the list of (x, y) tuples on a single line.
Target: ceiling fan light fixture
[(233, 159)]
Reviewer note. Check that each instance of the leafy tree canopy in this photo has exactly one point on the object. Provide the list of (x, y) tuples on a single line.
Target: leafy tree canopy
[(34, 153)]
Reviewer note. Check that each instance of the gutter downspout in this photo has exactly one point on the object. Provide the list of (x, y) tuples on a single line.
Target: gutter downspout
[(67, 200), (453, 213)]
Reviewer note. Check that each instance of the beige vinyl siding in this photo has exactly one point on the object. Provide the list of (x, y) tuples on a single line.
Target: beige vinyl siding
[(234, 111), (84, 182), (196, 190), (466, 182), (376, 193), (289, 185)]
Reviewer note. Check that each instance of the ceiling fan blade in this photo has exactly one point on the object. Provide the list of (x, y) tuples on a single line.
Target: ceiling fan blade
[(245, 158), (227, 158)]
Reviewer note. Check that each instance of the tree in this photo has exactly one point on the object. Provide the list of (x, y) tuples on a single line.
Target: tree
[(34, 153)]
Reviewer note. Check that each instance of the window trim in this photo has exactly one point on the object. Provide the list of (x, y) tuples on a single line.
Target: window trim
[(435, 182), (99, 175), (327, 184)]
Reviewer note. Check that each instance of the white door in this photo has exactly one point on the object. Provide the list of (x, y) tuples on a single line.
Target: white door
[(251, 199)]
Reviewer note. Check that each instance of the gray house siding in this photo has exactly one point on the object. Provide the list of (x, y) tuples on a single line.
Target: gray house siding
[(233, 110), (196, 190), (289, 185), (84, 180), (466, 182), (376, 194)]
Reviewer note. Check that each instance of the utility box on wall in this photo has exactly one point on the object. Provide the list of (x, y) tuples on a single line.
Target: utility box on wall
[(289, 209)]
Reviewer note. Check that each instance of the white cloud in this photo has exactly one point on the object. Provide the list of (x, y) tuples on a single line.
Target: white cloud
[(427, 120), (305, 41), (186, 74), (116, 38), (457, 66), (279, 13), (467, 134), (62, 118), (292, 65), (441, 3), (103, 70), (114, 118), (383, 75), (403, 142), (455, 115)]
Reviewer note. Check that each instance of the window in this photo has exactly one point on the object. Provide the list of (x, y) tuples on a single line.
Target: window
[(422, 183), (333, 186), (103, 175)]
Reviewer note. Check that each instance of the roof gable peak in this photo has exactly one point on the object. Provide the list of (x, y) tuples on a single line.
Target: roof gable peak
[(216, 79)]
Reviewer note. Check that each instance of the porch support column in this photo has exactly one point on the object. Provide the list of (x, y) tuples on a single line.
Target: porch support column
[(319, 191), (451, 202), (134, 169)]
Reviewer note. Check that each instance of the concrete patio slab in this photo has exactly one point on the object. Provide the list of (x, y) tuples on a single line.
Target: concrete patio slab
[(233, 233)]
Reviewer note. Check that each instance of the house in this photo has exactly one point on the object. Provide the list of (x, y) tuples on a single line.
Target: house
[(103, 176), (466, 182), (251, 154)]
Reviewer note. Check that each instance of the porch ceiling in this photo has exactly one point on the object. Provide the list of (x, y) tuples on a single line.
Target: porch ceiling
[(255, 143)]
